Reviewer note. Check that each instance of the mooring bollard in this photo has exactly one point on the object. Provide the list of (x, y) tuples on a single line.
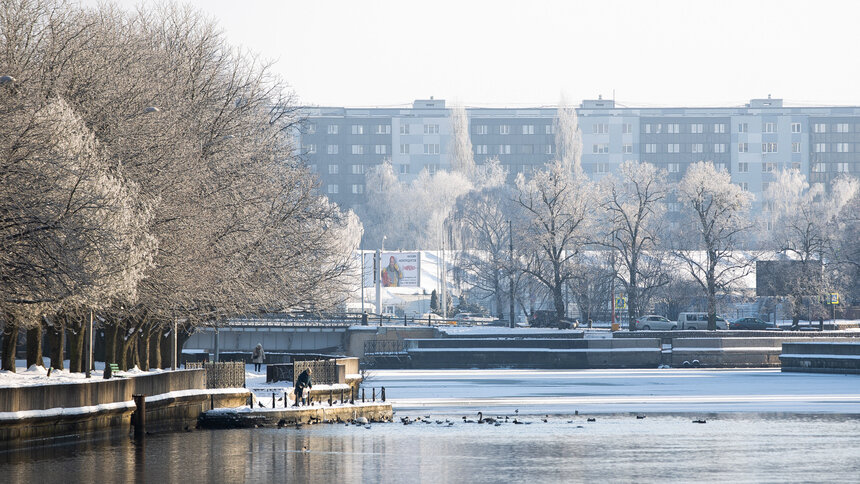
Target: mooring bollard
[(286, 401), (330, 397), (273, 400), (341, 397), (139, 417), (373, 393), (352, 395), (362, 395), (383, 394)]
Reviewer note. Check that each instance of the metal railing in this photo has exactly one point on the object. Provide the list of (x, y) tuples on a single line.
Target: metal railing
[(228, 374)]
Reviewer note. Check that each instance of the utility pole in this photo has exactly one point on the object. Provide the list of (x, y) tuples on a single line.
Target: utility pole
[(377, 265), (511, 272), (89, 343)]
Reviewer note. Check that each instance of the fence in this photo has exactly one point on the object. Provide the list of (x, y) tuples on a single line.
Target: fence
[(322, 372), (384, 347), (230, 374)]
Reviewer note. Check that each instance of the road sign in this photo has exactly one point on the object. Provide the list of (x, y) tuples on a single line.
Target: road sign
[(834, 298), (620, 302)]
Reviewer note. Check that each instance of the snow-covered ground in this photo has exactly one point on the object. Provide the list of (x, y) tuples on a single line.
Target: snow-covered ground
[(612, 391), (37, 375)]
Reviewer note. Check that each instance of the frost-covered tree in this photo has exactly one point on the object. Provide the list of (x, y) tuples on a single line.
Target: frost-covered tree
[(804, 223), (557, 207), (632, 218), (715, 224), (568, 139), (461, 156)]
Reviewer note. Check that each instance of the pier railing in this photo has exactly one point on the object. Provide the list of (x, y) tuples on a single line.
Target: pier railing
[(228, 374)]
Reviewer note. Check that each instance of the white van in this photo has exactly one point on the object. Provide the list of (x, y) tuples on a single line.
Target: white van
[(699, 321)]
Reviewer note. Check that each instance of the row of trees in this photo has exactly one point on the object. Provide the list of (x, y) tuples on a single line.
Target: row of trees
[(147, 176), (578, 238)]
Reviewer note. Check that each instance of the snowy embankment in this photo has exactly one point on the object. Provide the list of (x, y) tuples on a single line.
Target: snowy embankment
[(37, 375), (612, 391)]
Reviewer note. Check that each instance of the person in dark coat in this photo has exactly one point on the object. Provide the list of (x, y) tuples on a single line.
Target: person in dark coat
[(257, 357), (304, 380)]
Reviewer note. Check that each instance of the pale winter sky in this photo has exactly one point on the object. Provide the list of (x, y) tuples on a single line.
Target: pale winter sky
[(516, 53)]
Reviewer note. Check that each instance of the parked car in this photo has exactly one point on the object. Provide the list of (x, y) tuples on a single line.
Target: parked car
[(542, 318), (699, 321), (653, 321), (751, 323)]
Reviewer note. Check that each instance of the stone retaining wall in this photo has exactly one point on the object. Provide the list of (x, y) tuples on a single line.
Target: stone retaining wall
[(817, 357)]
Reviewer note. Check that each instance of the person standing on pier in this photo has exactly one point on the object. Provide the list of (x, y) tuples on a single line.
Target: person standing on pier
[(257, 357), (304, 380)]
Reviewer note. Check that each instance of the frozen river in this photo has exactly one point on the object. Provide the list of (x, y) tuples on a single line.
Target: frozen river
[(760, 426)]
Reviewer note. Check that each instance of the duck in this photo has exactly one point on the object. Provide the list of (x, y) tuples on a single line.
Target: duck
[(640, 417), (700, 421), (281, 423), (517, 422), (591, 419), (465, 420), (481, 419), (545, 418)]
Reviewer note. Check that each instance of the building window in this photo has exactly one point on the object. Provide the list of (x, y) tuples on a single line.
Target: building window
[(719, 128), (547, 149), (601, 168), (842, 167), (600, 128), (404, 168), (431, 129), (626, 128), (743, 147), (311, 128), (768, 167), (843, 148), (404, 129), (744, 186), (380, 149), (332, 149), (673, 207), (358, 169), (550, 129), (404, 149), (720, 166), (504, 149), (383, 129), (430, 167), (310, 149), (795, 127), (528, 129), (600, 148), (743, 128), (673, 167), (648, 128), (504, 129), (358, 149), (818, 168), (357, 129), (768, 147), (697, 147), (333, 169), (795, 147), (795, 165), (842, 128), (332, 129), (627, 149), (819, 128), (719, 148), (673, 148), (481, 129), (480, 149), (357, 188), (770, 127), (431, 148), (743, 167), (672, 128), (651, 148), (332, 189), (821, 147), (696, 128)]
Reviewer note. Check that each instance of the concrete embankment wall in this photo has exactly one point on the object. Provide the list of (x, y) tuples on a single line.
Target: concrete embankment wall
[(733, 352), (77, 410), (821, 357), (534, 353)]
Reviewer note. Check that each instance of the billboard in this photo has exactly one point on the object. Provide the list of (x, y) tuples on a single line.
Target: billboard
[(787, 277), (399, 269)]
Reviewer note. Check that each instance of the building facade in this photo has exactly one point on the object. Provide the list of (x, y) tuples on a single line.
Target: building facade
[(752, 142)]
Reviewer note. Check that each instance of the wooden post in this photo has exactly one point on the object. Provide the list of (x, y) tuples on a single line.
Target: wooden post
[(383, 394), (341, 397), (139, 416), (212, 401), (286, 400), (373, 393), (352, 395), (362, 395), (330, 396), (274, 402)]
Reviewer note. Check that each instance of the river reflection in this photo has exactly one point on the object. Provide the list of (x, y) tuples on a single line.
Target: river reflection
[(729, 447)]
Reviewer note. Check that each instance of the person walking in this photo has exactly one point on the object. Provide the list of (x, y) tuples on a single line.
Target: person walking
[(304, 380), (257, 357)]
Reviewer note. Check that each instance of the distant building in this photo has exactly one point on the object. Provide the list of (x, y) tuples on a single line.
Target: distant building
[(752, 142)]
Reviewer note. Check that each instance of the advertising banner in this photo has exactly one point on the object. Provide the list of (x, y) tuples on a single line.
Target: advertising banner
[(399, 269)]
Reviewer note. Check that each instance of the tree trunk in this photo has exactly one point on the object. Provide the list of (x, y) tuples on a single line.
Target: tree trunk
[(133, 352), (10, 341), (111, 331), (155, 349), (76, 346), (166, 342), (34, 346), (57, 341), (143, 349)]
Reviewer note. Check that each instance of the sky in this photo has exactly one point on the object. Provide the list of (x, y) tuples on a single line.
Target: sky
[(515, 53)]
